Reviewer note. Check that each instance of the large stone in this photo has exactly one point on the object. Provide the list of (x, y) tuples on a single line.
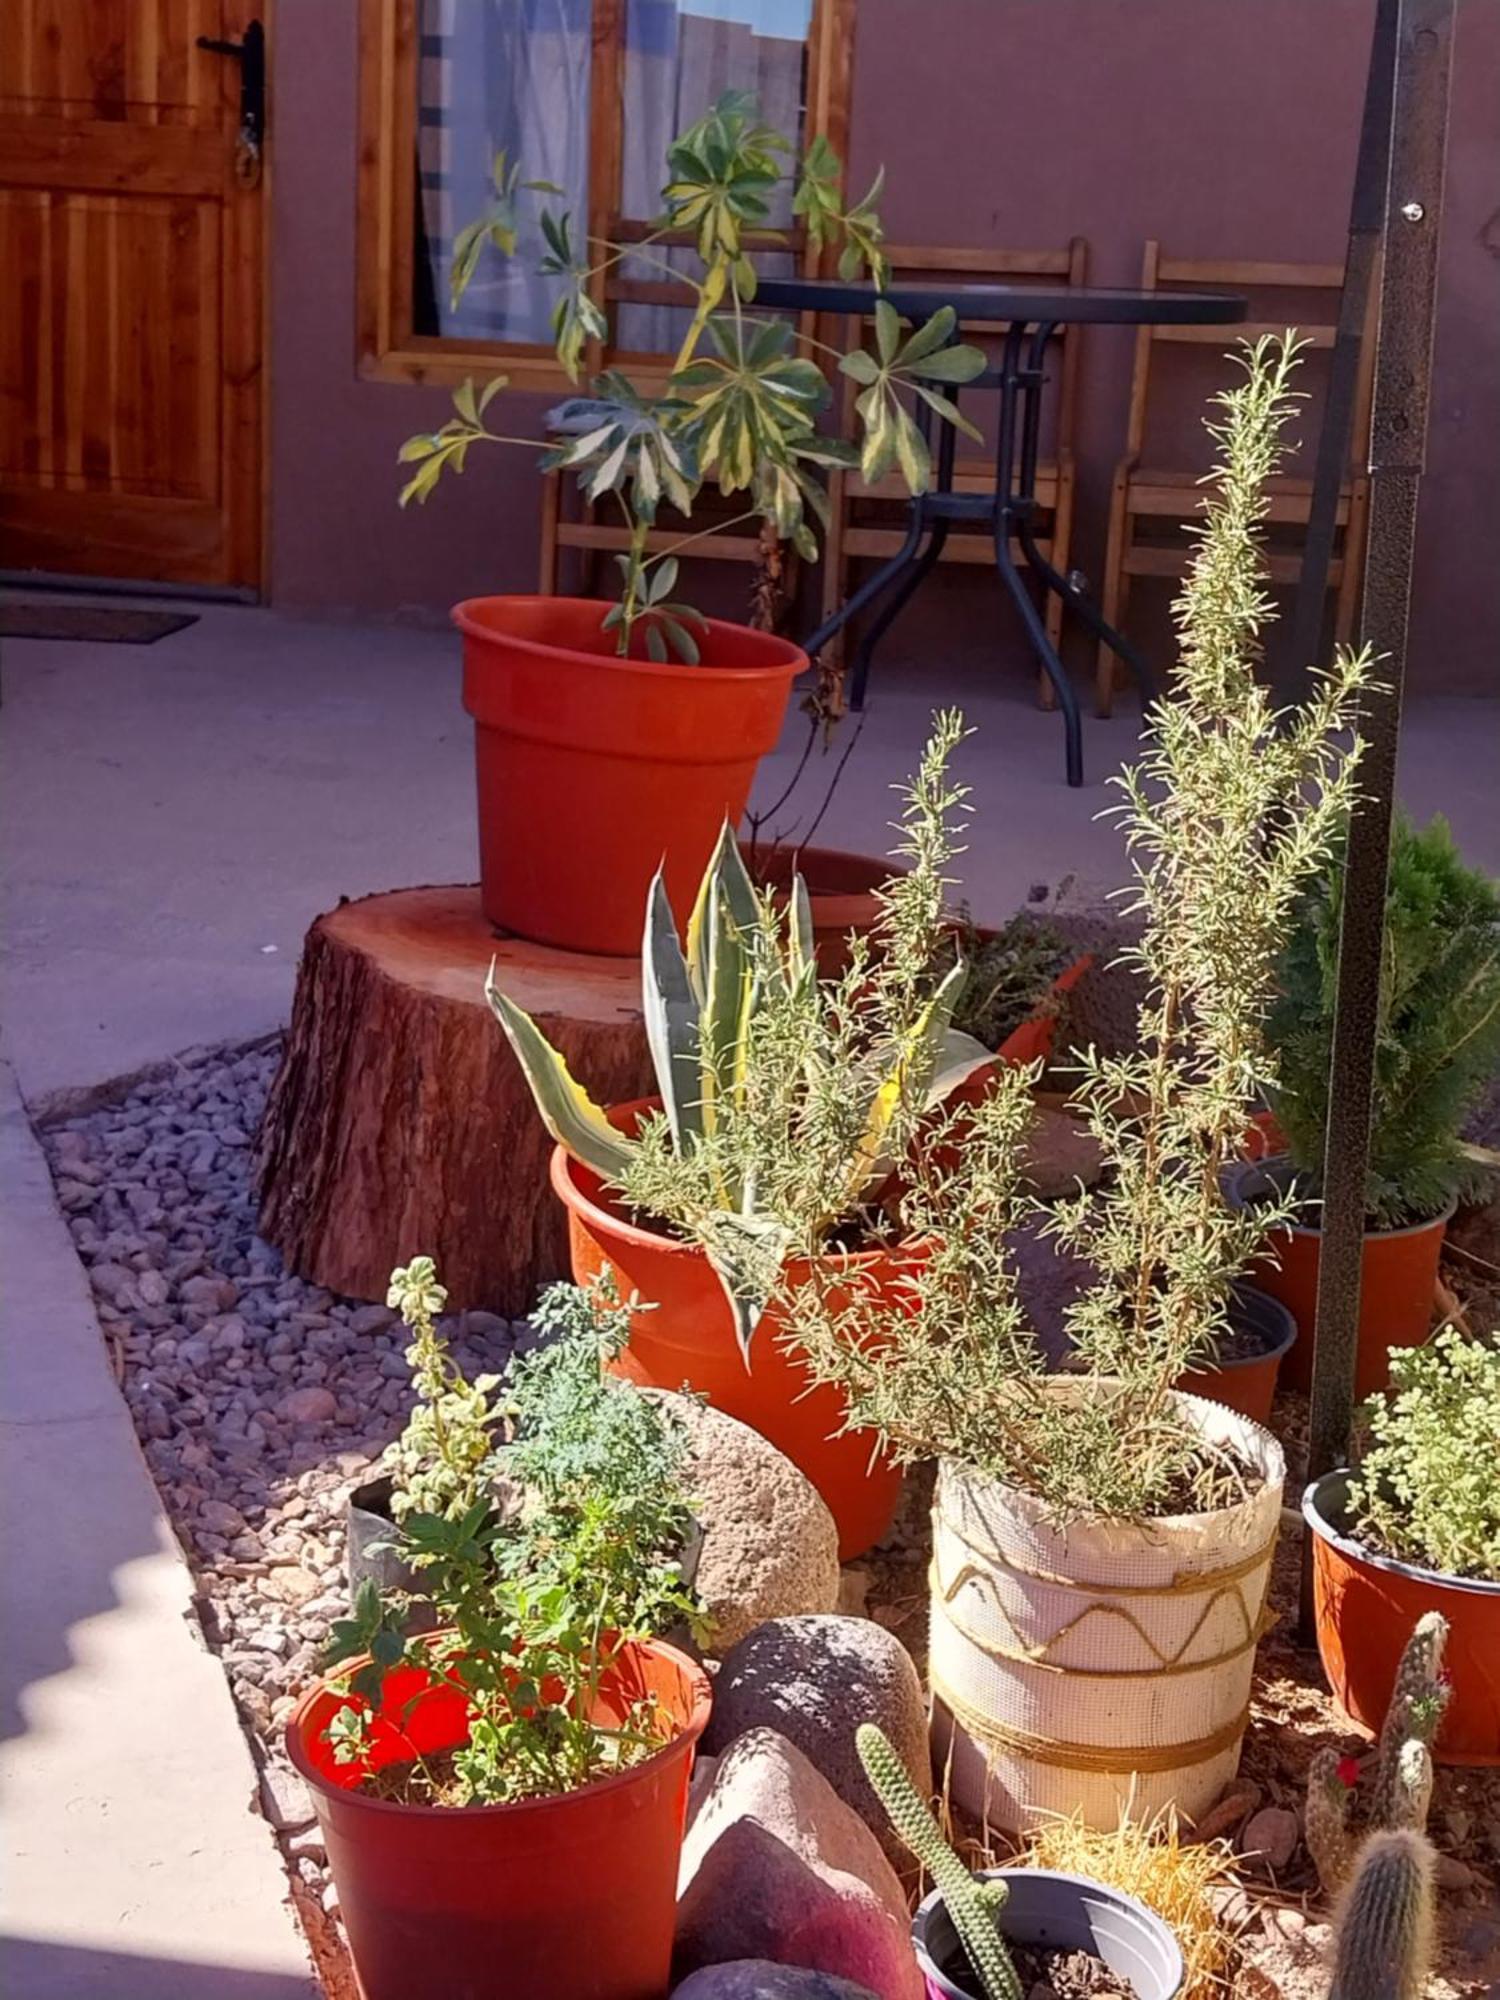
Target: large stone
[(776, 1866), (815, 1680), (770, 1546), (763, 1979)]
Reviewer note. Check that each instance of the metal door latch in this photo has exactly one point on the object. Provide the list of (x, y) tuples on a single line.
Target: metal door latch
[(250, 54)]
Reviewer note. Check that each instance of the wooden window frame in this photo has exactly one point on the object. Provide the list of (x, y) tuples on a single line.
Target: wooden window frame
[(387, 350)]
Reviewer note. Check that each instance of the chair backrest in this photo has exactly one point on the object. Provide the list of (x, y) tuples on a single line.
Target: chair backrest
[(1313, 292)]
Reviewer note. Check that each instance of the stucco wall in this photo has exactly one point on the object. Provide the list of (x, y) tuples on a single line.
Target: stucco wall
[(1224, 129)]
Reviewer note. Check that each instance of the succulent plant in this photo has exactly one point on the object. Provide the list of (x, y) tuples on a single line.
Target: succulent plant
[(1384, 1926), (973, 1906)]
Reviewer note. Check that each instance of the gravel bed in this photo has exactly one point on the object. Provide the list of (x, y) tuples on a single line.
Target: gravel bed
[(259, 1399)]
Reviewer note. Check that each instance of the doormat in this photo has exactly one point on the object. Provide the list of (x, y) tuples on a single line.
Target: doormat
[(96, 622)]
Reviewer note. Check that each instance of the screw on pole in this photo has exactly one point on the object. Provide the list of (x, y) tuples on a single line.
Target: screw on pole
[(1398, 442)]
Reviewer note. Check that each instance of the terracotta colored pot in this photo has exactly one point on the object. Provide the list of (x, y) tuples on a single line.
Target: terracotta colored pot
[(840, 888), (1248, 1383), (571, 1898), (592, 768), (1058, 1912), (688, 1339), (1366, 1605), (1398, 1273)]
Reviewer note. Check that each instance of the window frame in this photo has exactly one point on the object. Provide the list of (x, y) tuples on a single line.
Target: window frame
[(387, 350)]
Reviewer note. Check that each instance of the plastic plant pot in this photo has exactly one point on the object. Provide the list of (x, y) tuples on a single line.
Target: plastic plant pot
[(593, 770), (571, 1898), (1366, 1604), (1037, 1035), (1398, 1273), (1247, 1382), (688, 1339), (1060, 1913)]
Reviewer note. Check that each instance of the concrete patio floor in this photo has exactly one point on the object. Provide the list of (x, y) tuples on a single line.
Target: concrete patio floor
[(172, 818)]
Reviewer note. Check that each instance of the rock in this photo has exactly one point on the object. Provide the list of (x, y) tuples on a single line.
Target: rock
[(220, 1518), (814, 1680), (1220, 1821), (770, 1546), (776, 1866), (294, 1583), (371, 1319), (285, 1799), (1453, 1875), (763, 1979), (1061, 1152), (1269, 1839), (311, 1405)]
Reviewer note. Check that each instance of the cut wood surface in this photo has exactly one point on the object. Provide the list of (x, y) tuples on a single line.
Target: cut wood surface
[(400, 1124)]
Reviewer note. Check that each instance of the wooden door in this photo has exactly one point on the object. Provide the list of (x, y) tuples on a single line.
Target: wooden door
[(130, 294)]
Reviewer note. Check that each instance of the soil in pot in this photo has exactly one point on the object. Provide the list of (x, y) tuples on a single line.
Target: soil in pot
[(1261, 1330), (594, 770), (1045, 1975)]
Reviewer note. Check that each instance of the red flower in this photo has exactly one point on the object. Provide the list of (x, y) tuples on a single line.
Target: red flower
[(1349, 1772)]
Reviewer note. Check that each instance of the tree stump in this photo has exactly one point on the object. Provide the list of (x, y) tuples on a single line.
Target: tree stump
[(400, 1124)]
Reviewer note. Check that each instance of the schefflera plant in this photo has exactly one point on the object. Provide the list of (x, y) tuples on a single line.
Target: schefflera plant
[(785, 1101), (740, 408)]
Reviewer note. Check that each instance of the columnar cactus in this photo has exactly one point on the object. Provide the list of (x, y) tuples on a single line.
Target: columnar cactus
[(1385, 1924), (1331, 1780), (973, 1906)]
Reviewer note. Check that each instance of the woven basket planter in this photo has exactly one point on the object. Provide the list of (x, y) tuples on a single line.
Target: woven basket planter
[(1079, 1668)]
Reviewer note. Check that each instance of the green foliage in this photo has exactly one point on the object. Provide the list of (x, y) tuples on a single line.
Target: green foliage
[(740, 409), (1384, 1930), (1230, 809), (537, 1590), (1010, 977), (1425, 1488), (785, 1102), (1437, 1026), (973, 1906)]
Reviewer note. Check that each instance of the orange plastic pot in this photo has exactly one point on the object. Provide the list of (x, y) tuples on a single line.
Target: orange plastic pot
[(569, 1898), (687, 1339), (1247, 1383), (592, 770), (1366, 1605), (1398, 1273), (1036, 1035)]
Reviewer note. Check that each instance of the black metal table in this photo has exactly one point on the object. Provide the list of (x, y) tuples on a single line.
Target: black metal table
[(1030, 316)]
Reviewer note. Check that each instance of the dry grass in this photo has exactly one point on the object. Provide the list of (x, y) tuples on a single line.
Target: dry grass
[(1174, 1879)]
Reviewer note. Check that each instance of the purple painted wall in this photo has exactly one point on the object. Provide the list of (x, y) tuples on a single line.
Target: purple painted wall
[(1223, 129)]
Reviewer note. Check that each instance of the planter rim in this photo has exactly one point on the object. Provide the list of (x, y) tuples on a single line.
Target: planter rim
[(793, 660), (1274, 1353), (572, 1196), (1323, 1510), (1243, 1171), (1270, 1462), (691, 1730), (1080, 1885)]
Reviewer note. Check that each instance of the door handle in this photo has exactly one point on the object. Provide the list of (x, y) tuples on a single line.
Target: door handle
[(250, 54)]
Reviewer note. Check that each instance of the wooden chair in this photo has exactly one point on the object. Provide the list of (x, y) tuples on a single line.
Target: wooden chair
[(1151, 502), (866, 521)]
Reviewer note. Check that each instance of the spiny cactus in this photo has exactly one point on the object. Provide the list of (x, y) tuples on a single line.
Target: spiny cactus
[(1331, 1780), (1385, 1924), (973, 1906)]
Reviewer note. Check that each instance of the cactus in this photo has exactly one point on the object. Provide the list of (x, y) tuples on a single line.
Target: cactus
[(1385, 1923), (1325, 1821), (973, 1906)]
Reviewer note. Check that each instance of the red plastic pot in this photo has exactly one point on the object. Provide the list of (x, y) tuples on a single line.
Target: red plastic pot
[(593, 769), (688, 1339), (1398, 1274), (570, 1898), (1248, 1382), (1366, 1605), (1036, 1035)]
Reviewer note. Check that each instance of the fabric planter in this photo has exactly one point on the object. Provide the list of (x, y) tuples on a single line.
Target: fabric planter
[(1073, 1668), (1366, 1604)]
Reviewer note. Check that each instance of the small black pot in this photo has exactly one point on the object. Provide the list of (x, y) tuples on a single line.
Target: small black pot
[(1060, 1913)]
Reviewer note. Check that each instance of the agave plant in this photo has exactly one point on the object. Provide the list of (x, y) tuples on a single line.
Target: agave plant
[(741, 406), (784, 1101)]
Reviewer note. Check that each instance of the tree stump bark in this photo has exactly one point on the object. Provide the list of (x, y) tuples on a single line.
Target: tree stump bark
[(400, 1124)]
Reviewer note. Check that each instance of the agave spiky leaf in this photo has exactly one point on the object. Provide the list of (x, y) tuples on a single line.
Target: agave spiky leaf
[(747, 1251), (673, 1024), (726, 875), (908, 1081), (566, 1109)]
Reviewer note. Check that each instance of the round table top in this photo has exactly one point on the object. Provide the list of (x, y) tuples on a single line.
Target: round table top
[(1006, 305)]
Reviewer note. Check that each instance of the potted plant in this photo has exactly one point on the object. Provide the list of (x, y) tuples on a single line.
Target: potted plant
[(1102, 1542), (1437, 1047), (1413, 1527), (970, 1932), (785, 1104), (504, 1796), (609, 738)]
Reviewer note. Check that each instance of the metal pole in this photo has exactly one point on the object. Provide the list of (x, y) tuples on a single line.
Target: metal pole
[(1398, 441), (1366, 213)]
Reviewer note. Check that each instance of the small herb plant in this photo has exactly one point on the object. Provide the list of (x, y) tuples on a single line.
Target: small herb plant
[(740, 407), (537, 1606), (1437, 1028), (1009, 976), (1228, 813), (1425, 1488)]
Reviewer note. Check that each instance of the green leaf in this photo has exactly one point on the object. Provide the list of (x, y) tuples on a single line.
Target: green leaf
[(953, 364), (887, 331), (671, 1012), (859, 365), (566, 1109)]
